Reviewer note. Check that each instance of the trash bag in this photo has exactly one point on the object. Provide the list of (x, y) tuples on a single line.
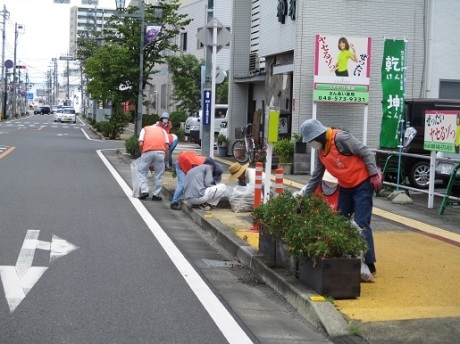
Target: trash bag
[(366, 275), (135, 177), (241, 199)]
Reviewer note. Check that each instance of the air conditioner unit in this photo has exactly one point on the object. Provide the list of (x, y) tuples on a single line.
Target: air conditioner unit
[(253, 63)]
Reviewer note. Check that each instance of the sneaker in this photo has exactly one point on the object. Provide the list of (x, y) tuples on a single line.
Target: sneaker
[(144, 195), (175, 206), (156, 198), (205, 206)]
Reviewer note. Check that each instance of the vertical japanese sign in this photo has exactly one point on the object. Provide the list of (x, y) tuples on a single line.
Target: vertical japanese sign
[(393, 92), (342, 69), (441, 130)]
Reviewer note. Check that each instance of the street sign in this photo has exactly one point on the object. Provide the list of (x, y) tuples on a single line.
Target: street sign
[(19, 279), (9, 64), (30, 96), (66, 58), (204, 35), (207, 96)]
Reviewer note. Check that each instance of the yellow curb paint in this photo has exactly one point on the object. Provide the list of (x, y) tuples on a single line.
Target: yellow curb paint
[(207, 216), (317, 298), (8, 151), (417, 225), (251, 237), (416, 275)]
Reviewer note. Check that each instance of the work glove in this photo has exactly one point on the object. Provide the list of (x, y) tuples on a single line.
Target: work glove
[(376, 181)]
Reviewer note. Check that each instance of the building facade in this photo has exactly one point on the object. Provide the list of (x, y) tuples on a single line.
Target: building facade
[(280, 36)]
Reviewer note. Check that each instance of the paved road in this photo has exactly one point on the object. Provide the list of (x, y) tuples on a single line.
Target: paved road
[(83, 262)]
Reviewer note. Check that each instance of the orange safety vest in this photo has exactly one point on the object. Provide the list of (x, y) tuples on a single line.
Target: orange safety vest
[(154, 139), (332, 199), (187, 160), (350, 170)]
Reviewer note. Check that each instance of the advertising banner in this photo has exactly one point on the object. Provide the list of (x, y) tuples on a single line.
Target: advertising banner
[(441, 130), (151, 33), (342, 69), (393, 92)]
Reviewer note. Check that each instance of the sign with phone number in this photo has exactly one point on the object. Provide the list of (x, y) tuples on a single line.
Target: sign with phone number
[(340, 96)]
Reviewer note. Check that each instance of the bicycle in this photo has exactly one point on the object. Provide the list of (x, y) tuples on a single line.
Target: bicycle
[(243, 150)]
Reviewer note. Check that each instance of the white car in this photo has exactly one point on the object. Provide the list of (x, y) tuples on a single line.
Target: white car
[(68, 115), (192, 124), (57, 115)]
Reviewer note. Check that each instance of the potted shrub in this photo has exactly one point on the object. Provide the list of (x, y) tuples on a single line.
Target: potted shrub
[(326, 245), (284, 149), (222, 145), (300, 147)]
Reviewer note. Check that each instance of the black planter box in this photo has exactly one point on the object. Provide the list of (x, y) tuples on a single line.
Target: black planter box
[(339, 278), (283, 259), (267, 246)]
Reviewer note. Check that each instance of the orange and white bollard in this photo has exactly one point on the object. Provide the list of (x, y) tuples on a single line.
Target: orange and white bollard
[(258, 185), (279, 188)]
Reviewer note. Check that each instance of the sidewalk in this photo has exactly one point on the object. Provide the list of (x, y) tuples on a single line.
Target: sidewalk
[(415, 298)]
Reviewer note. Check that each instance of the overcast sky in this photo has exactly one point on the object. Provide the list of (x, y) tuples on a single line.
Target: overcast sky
[(45, 34)]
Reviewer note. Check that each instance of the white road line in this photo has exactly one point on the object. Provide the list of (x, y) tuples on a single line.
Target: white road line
[(219, 314), (26, 255)]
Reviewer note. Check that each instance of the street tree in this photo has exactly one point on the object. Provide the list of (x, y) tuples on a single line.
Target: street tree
[(185, 70), (113, 68)]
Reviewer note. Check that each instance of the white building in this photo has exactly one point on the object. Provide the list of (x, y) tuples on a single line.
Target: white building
[(288, 48)]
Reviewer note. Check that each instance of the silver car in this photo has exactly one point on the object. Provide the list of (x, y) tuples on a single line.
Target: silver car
[(445, 164)]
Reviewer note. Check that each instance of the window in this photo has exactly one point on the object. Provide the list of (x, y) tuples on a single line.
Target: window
[(449, 89), (183, 41), (163, 96)]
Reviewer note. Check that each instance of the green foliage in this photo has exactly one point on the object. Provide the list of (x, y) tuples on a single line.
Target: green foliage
[(132, 146), (149, 120), (297, 138), (222, 140), (309, 227), (284, 149), (222, 92), (185, 72), (115, 62)]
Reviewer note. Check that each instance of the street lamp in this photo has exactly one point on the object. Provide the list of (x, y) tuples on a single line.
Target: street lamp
[(120, 4)]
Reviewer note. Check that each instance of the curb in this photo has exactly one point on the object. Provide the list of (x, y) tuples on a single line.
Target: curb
[(321, 314)]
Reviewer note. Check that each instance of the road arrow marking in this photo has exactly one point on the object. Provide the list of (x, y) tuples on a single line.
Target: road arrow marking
[(18, 280)]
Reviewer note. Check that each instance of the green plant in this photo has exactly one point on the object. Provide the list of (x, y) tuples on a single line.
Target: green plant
[(222, 140), (132, 146), (309, 227), (284, 149), (297, 138)]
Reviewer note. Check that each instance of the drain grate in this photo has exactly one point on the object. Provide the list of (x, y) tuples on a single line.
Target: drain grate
[(219, 263)]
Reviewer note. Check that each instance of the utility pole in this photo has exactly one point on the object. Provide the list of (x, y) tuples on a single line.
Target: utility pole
[(5, 15), (16, 27)]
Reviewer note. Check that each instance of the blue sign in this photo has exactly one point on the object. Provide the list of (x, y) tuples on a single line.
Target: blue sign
[(207, 95), (30, 96), (9, 64)]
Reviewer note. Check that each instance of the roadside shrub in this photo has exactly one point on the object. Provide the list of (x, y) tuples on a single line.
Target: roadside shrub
[(132, 146)]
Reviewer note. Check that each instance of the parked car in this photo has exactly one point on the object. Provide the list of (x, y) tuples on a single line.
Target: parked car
[(445, 164), (45, 110), (37, 110), (193, 123), (417, 170)]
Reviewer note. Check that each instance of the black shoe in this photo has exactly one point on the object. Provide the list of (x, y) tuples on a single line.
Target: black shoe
[(372, 268), (144, 195), (156, 198), (175, 206)]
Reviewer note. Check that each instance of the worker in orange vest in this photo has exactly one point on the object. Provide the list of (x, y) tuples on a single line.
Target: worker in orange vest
[(154, 145)]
